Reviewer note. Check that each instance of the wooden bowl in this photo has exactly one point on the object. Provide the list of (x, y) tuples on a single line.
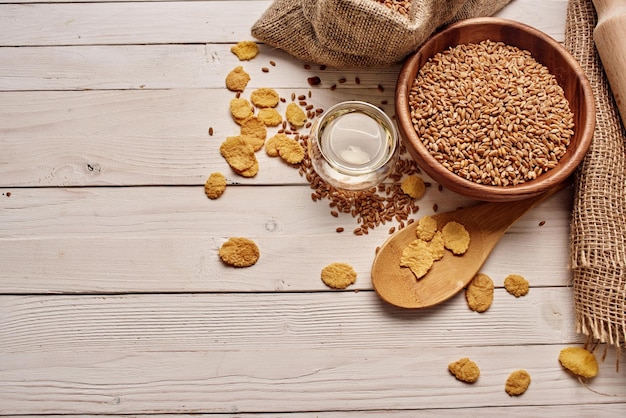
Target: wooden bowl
[(544, 50)]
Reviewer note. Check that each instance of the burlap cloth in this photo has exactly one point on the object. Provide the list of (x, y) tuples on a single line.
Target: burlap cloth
[(359, 33), (598, 227)]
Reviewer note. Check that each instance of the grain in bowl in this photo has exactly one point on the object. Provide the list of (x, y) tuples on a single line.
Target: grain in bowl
[(490, 113), (491, 97)]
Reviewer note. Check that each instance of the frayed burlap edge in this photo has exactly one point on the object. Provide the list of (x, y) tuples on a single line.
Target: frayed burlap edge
[(598, 227)]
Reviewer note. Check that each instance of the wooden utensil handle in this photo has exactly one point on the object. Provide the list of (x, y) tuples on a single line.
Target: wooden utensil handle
[(609, 36)]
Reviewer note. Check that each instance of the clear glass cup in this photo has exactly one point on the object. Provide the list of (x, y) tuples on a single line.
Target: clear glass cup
[(353, 145)]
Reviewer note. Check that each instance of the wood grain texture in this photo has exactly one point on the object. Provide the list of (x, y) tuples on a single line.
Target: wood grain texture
[(279, 381), (121, 138), (307, 321), (177, 66), (112, 297), (112, 240), (166, 22)]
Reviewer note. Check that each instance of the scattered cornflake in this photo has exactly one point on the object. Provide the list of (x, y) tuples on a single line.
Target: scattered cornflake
[(245, 50), (517, 383), (237, 79), (295, 115), (465, 370), (516, 285), (479, 293), (579, 361), (215, 185), (338, 275), (239, 252), (414, 186)]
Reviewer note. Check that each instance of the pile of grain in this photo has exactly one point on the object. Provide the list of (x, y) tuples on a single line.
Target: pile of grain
[(490, 113), (400, 6)]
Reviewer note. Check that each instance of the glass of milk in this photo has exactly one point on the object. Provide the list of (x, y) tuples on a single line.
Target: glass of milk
[(353, 145)]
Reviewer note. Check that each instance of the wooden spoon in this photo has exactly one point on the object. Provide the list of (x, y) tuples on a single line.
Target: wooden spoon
[(486, 223)]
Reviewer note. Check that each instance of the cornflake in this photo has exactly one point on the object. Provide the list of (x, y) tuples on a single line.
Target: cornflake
[(272, 144), (250, 172), (264, 98), (295, 116), (215, 185), (291, 151), (465, 370), (245, 50), (237, 79), (479, 293), (516, 285), (338, 275), (240, 109), (455, 237), (414, 186), (270, 116), (437, 249), (239, 252), (255, 131), (418, 257), (517, 383), (579, 361), (426, 228), (238, 153)]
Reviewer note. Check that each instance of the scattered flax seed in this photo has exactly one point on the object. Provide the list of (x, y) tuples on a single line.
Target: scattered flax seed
[(334, 213), (357, 80), (542, 223), (333, 87), (339, 229), (265, 70), (322, 67), (370, 208), (381, 88), (273, 63), (307, 67), (342, 80), (211, 131), (435, 207)]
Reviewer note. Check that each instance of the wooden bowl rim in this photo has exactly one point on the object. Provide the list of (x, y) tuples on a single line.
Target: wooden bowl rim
[(432, 167)]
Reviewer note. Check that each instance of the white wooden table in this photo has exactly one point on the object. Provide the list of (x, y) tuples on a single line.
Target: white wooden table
[(112, 296)]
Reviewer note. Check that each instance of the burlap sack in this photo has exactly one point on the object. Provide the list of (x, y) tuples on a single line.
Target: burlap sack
[(359, 33), (598, 228)]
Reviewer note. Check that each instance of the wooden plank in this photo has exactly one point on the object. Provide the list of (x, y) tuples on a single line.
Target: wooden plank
[(181, 22), (105, 67), (113, 240), (290, 321), (556, 411), (275, 380), (128, 23), (157, 137)]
